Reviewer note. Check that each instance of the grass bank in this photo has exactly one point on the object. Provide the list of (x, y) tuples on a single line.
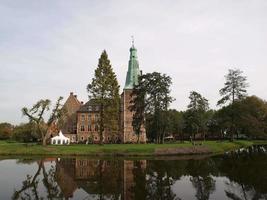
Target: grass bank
[(207, 147)]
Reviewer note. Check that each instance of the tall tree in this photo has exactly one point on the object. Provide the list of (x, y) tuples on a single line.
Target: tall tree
[(176, 123), (36, 116), (104, 88), (196, 113), (155, 87), (138, 106), (234, 89)]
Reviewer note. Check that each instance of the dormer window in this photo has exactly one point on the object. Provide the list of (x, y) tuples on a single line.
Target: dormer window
[(90, 108)]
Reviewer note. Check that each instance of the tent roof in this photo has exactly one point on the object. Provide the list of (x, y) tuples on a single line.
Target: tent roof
[(60, 136)]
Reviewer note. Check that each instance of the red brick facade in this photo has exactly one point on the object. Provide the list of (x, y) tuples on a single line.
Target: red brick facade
[(71, 106), (127, 132), (81, 122)]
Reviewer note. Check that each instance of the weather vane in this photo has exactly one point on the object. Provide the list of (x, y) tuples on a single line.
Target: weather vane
[(132, 40)]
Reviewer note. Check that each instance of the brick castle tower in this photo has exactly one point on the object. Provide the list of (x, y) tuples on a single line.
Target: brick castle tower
[(126, 118)]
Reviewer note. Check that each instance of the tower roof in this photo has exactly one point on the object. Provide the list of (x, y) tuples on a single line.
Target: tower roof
[(133, 69)]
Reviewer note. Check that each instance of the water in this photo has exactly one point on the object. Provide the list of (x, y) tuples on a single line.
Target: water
[(236, 175)]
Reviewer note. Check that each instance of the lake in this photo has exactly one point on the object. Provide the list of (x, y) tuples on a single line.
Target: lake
[(235, 175)]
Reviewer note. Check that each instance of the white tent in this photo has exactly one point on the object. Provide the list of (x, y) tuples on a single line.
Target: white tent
[(60, 139)]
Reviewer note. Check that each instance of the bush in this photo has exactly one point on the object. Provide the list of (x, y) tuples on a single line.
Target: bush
[(24, 133), (5, 131)]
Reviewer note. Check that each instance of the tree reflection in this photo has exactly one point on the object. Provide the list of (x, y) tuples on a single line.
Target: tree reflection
[(202, 181), (160, 179), (30, 186), (246, 173)]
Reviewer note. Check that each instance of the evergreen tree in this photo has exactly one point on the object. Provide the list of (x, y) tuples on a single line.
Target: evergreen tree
[(104, 88), (234, 89)]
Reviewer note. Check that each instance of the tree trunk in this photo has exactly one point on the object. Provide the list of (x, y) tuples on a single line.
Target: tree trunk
[(232, 134), (44, 139), (232, 117), (101, 127), (44, 142)]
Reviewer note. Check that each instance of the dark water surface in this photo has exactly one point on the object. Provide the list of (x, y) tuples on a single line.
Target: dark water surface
[(236, 175)]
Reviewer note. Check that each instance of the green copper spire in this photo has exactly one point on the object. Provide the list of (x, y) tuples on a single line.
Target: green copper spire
[(133, 69)]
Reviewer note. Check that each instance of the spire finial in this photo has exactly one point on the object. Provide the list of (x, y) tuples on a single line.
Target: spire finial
[(132, 40)]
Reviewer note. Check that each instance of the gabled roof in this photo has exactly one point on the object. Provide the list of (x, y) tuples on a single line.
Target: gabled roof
[(89, 106), (72, 104)]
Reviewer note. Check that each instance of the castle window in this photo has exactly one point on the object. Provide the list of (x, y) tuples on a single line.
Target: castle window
[(96, 117), (82, 127), (89, 127), (89, 117), (96, 127), (82, 117)]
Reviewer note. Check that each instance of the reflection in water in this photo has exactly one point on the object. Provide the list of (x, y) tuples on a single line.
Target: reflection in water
[(30, 185), (237, 175)]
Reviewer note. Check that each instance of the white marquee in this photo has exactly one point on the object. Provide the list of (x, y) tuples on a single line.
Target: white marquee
[(60, 139)]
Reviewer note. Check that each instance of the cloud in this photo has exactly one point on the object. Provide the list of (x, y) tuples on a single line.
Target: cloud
[(49, 48)]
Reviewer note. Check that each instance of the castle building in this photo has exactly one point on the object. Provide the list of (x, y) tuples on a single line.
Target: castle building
[(81, 119)]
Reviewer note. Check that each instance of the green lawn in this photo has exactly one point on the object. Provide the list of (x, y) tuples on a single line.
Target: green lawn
[(14, 148)]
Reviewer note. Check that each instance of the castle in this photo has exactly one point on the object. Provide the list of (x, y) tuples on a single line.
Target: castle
[(81, 119)]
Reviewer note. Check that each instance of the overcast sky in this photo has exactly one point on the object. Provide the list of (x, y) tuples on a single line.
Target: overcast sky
[(49, 48)]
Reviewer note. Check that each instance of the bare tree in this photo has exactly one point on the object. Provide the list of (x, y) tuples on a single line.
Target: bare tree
[(36, 115)]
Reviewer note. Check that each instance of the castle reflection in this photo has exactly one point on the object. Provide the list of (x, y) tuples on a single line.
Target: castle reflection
[(102, 179)]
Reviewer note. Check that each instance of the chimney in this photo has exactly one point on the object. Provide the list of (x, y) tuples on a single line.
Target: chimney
[(75, 96), (71, 93)]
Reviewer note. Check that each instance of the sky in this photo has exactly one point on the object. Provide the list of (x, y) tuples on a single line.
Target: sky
[(49, 48)]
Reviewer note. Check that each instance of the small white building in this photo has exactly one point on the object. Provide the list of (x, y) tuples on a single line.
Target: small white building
[(60, 139)]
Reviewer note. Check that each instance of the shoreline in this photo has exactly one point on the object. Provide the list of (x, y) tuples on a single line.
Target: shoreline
[(124, 150)]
